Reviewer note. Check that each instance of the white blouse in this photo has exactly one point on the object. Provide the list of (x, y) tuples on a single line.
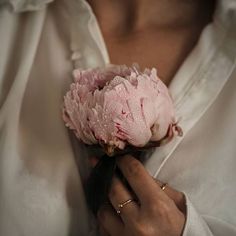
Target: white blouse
[(42, 168)]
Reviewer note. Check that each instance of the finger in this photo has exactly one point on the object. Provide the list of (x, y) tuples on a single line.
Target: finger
[(119, 194), (175, 195), (141, 182), (110, 221)]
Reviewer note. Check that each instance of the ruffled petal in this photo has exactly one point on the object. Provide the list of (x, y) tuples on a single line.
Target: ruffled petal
[(117, 106)]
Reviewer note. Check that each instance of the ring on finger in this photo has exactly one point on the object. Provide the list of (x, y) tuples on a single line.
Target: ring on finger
[(163, 186), (123, 204)]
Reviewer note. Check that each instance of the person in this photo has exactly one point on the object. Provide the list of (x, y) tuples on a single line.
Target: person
[(42, 168)]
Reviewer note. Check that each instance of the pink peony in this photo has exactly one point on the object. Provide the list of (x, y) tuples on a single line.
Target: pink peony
[(118, 106)]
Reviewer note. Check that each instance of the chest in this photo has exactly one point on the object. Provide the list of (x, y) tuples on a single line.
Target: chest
[(163, 49)]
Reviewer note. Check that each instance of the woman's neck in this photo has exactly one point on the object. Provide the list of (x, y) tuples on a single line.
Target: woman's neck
[(121, 17), (153, 33)]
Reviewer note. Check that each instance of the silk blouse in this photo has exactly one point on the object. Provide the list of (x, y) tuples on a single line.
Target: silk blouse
[(42, 168)]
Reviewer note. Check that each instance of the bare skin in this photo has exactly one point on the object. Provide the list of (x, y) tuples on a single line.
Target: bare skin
[(154, 33), (158, 212)]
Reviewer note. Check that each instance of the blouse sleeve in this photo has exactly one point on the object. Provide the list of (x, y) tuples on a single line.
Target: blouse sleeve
[(25, 5), (20, 36), (197, 224)]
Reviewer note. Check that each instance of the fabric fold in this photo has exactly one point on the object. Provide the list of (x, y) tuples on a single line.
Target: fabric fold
[(25, 5), (192, 90), (197, 224)]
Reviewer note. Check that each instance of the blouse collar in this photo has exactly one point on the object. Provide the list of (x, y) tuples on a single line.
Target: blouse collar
[(197, 84)]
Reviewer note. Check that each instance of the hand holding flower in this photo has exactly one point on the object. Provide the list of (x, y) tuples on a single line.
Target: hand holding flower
[(156, 212)]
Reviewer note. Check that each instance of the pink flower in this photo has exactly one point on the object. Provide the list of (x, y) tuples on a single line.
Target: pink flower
[(118, 106)]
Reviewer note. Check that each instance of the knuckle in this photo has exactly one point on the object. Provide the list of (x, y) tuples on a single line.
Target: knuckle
[(162, 208), (155, 209), (144, 229)]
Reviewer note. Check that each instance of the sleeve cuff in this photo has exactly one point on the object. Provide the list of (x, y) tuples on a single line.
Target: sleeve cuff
[(194, 225)]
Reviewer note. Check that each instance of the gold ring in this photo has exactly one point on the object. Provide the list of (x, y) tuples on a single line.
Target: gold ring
[(163, 186), (121, 205)]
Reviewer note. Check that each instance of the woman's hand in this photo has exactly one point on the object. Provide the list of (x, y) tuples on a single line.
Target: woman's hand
[(156, 213)]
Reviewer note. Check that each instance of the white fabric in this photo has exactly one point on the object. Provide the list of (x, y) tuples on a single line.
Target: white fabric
[(25, 5), (40, 187)]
